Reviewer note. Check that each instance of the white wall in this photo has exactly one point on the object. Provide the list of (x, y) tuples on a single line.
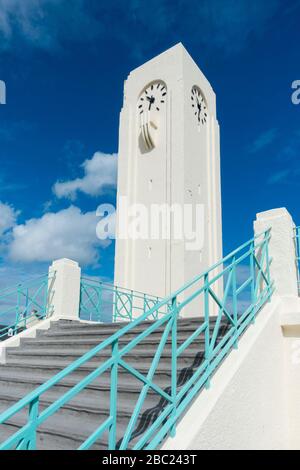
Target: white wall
[(245, 407), (290, 322)]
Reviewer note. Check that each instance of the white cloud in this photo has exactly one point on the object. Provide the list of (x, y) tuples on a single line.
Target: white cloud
[(100, 172), (8, 217), (44, 23), (263, 140), (68, 233)]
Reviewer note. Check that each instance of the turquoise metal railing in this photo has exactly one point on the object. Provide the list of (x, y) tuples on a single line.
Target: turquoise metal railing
[(297, 243), (104, 302), (251, 261), (23, 305)]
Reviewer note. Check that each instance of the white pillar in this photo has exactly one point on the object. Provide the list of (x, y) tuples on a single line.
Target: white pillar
[(65, 289), (283, 268)]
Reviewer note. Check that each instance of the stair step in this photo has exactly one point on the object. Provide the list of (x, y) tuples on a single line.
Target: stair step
[(97, 333), (88, 343), (38, 359), (59, 433), (126, 382), (84, 402)]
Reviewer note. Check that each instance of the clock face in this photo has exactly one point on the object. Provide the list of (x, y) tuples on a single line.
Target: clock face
[(199, 105), (153, 98)]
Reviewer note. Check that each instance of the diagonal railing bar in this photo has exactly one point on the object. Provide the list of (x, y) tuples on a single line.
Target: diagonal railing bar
[(220, 304), (24, 304), (96, 434), (135, 373), (221, 310), (243, 286), (124, 303), (259, 266), (91, 296), (32, 301), (189, 340), (106, 302), (184, 383), (261, 276), (145, 388)]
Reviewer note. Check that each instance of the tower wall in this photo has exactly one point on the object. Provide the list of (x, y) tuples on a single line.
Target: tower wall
[(182, 167)]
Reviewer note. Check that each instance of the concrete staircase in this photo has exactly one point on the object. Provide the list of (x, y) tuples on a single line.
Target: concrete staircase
[(38, 359)]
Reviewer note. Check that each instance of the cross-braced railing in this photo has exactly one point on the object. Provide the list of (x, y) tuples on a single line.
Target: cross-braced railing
[(23, 305), (103, 302), (246, 288)]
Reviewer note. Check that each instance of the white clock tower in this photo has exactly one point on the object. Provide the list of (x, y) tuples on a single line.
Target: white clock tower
[(169, 154)]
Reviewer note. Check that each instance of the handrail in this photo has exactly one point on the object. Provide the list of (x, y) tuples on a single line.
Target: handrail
[(105, 302), (176, 398), (24, 304)]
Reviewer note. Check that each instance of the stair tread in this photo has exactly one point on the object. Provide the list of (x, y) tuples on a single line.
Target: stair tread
[(83, 402), (33, 363), (73, 429), (124, 383), (104, 353), (89, 341)]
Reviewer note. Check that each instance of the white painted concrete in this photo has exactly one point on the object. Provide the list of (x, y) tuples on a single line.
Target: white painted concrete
[(63, 301), (246, 405), (14, 341), (182, 168), (66, 289), (290, 324), (283, 268)]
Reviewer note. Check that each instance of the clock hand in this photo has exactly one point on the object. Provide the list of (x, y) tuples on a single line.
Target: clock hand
[(151, 101)]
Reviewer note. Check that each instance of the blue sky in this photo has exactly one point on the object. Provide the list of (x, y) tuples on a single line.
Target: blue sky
[(64, 63)]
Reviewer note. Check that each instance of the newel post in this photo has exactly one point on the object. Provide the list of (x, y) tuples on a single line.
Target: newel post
[(283, 268), (65, 295)]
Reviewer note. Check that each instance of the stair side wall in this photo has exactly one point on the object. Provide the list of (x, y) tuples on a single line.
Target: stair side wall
[(245, 407)]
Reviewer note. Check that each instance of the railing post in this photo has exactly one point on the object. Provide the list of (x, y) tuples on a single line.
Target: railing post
[(33, 415), (115, 303), (207, 329), (253, 278), (113, 396), (174, 364), (267, 238), (234, 301), (131, 305), (15, 329), (99, 301)]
